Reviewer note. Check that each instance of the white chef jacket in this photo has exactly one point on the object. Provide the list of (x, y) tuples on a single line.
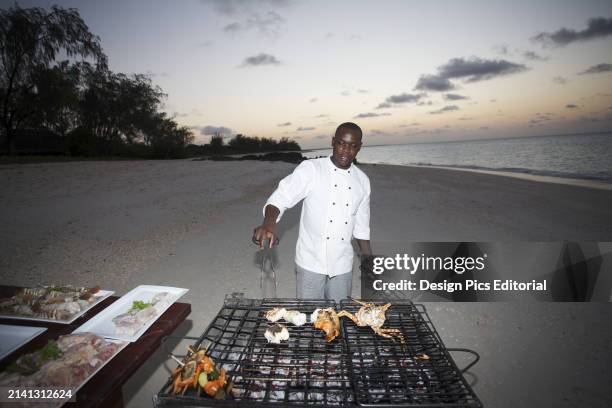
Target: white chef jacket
[(336, 208)]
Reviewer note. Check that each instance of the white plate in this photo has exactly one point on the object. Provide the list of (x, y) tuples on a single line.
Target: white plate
[(100, 296), (78, 387), (102, 323), (13, 337)]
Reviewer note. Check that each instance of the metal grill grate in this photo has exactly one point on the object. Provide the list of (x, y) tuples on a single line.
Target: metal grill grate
[(357, 368), (419, 372)]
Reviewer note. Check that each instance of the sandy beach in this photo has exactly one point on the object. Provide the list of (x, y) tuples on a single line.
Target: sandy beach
[(188, 224)]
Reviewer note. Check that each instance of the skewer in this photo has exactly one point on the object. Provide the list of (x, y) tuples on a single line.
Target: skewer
[(177, 360)]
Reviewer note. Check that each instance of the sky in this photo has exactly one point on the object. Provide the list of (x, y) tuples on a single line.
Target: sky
[(405, 71)]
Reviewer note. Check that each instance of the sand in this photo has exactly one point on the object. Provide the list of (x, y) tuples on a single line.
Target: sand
[(189, 223)]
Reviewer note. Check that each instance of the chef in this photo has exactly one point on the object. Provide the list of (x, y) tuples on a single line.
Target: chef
[(336, 209)]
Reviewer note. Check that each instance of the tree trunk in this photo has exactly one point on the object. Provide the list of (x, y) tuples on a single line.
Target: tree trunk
[(10, 142)]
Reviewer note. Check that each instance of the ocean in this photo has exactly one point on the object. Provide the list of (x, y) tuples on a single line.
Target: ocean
[(584, 156)]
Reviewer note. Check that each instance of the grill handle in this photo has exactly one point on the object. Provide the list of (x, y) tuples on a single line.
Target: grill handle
[(464, 350)]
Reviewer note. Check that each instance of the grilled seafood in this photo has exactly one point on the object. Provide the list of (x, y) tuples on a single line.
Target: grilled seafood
[(328, 321), (274, 315), (276, 333), (290, 316), (49, 302), (63, 363), (134, 319), (372, 315)]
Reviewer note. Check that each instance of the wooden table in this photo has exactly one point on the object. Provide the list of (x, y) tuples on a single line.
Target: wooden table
[(104, 389)]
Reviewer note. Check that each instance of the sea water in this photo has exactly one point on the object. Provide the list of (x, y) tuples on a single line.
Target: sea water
[(584, 156)]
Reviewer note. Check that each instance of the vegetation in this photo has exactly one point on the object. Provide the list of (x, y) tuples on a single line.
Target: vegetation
[(78, 106), (242, 144)]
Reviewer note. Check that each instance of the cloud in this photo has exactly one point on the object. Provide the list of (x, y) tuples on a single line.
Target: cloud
[(404, 98), (322, 115), (454, 97), (305, 128), (321, 137), (260, 59), (588, 119), (477, 69), (384, 105), (469, 70), (434, 83), (559, 80), (540, 118), (284, 124), (483, 128), (598, 27), (345, 93), (370, 115), (400, 99), (466, 118), (266, 24), (571, 106), (533, 56), (448, 108), (363, 91), (423, 103), (501, 49), (213, 130), (313, 100), (597, 69), (378, 132), (239, 7)]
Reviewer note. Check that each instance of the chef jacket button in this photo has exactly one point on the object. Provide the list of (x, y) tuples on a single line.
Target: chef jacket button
[(349, 172), (346, 222), (347, 205), (335, 185), (330, 220), (343, 239), (349, 188), (335, 169), (333, 203), (327, 237)]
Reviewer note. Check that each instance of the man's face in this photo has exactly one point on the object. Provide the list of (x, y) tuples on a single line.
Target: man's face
[(346, 146)]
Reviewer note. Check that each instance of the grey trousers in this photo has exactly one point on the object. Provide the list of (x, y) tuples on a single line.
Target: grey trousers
[(311, 285)]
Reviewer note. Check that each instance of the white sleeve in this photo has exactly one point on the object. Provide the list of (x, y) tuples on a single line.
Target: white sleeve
[(293, 188), (362, 219)]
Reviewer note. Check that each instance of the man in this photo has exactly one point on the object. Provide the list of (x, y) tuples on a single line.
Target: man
[(336, 208)]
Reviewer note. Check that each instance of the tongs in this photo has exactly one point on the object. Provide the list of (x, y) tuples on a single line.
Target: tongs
[(266, 257)]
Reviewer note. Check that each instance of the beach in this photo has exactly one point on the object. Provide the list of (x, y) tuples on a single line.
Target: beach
[(189, 223)]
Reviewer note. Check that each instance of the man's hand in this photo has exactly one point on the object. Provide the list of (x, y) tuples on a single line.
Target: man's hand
[(264, 232), (267, 230)]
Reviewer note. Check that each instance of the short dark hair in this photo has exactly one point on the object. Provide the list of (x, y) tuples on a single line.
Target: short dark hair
[(349, 126)]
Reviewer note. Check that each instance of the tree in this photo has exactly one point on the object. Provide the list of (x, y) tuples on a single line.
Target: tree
[(57, 102), (119, 108), (216, 143), (30, 40)]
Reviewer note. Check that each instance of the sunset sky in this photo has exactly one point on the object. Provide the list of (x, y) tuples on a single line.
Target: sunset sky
[(405, 71)]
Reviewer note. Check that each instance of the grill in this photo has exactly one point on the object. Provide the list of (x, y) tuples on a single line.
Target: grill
[(359, 368)]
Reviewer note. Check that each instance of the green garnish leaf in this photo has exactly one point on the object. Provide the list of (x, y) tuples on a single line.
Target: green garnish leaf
[(140, 305), (51, 351)]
